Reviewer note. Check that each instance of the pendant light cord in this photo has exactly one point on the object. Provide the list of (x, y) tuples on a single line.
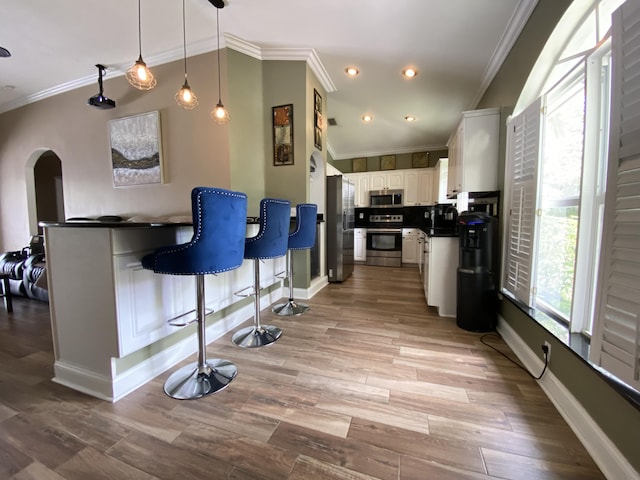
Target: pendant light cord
[(139, 30), (184, 41), (218, 35)]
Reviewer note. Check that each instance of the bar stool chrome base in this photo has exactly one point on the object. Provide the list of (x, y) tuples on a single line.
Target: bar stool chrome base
[(193, 381), (253, 337), (290, 308)]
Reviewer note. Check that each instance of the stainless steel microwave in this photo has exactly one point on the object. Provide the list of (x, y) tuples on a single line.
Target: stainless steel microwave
[(386, 198)]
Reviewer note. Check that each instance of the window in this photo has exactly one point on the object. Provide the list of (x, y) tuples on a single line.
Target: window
[(559, 215), (583, 265)]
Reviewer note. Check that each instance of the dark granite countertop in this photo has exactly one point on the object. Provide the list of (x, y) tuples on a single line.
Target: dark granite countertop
[(139, 222)]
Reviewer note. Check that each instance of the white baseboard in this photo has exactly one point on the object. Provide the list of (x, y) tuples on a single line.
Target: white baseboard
[(317, 284), (604, 453), (116, 388)]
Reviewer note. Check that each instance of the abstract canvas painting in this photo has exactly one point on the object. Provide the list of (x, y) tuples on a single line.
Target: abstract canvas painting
[(136, 150)]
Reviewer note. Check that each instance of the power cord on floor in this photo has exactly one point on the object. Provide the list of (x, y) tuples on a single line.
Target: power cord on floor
[(545, 351)]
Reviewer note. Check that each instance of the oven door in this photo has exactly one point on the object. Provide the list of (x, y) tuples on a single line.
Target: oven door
[(384, 247)]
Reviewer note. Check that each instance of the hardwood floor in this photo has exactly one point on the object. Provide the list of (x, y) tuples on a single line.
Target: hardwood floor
[(369, 384)]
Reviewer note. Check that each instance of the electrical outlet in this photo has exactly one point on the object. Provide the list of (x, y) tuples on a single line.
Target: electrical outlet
[(546, 345)]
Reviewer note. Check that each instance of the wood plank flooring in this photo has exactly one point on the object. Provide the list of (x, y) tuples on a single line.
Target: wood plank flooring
[(369, 384)]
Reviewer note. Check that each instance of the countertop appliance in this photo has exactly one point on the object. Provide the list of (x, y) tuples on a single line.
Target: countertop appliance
[(384, 240), (444, 220), (386, 198), (340, 218)]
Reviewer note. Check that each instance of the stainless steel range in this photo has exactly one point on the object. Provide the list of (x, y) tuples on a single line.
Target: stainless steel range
[(384, 240)]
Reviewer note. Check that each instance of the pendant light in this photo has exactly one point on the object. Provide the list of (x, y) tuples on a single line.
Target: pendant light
[(139, 75), (219, 114), (185, 96)]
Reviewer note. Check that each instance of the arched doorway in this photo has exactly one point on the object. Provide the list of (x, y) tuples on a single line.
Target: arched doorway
[(44, 184)]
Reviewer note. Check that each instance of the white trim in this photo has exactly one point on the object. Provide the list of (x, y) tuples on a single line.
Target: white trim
[(604, 453), (514, 28), (317, 284), (307, 55)]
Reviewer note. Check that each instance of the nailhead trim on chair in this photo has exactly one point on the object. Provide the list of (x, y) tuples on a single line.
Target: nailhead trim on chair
[(197, 235)]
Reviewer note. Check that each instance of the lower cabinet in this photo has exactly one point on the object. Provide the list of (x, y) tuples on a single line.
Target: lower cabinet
[(440, 273), (410, 245), (360, 244)]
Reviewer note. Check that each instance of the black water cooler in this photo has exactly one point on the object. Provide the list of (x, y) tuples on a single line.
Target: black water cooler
[(476, 289)]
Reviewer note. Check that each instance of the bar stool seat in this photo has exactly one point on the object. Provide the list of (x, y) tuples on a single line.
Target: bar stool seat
[(270, 242), (6, 292), (217, 245), (302, 238)]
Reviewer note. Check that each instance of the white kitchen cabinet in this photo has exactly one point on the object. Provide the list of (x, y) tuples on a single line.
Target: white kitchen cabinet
[(440, 178), (360, 244), (473, 152), (410, 245), (361, 187), (393, 180), (418, 187), (441, 275)]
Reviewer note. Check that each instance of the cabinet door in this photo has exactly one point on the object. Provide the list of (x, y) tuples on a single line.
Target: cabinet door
[(395, 180), (409, 245), (360, 244), (146, 301), (377, 181), (410, 188), (453, 176), (425, 187)]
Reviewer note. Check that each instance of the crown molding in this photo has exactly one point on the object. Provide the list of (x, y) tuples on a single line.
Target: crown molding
[(514, 28), (307, 55)]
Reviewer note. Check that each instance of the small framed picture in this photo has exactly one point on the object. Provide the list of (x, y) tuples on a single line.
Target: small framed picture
[(283, 135), (317, 120)]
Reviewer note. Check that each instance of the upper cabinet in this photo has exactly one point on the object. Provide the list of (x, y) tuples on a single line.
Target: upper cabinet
[(418, 187), (393, 180), (473, 153), (361, 187)]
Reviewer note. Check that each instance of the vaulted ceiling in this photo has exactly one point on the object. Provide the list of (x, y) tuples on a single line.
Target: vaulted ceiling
[(456, 46)]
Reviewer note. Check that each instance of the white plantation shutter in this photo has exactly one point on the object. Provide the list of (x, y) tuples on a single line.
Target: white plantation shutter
[(523, 148), (615, 343)]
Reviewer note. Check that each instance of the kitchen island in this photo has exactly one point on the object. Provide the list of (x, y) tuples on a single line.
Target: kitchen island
[(110, 317)]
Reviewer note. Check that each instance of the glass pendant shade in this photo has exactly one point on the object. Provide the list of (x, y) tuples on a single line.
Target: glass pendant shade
[(140, 76), (186, 98), (220, 114)]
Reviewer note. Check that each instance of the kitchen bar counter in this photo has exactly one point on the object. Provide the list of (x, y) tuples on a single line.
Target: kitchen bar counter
[(110, 316)]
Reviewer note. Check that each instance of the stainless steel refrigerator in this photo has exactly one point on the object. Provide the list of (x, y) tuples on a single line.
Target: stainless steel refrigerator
[(340, 219)]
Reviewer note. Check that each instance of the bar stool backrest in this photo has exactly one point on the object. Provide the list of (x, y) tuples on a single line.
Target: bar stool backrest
[(272, 238), (219, 232), (304, 235)]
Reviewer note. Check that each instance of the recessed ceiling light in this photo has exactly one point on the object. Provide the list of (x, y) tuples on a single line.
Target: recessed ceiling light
[(409, 72), (366, 118), (352, 71), (410, 118)]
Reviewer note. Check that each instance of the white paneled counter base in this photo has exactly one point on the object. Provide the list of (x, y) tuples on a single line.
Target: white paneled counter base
[(110, 316)]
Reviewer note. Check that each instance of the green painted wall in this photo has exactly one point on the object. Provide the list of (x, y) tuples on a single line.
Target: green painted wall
[(403, 161), (247, 151)]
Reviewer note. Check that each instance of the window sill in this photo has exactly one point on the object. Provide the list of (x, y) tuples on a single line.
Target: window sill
[(576, 343)]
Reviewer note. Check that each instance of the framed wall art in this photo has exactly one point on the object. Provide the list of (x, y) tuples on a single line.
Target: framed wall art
[(388, 162), (136, 150), (317, 120), (283, 135)]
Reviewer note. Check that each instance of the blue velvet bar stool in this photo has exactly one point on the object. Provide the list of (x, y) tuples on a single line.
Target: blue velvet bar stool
[(270, 242), (302, 238), (219, 232)]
